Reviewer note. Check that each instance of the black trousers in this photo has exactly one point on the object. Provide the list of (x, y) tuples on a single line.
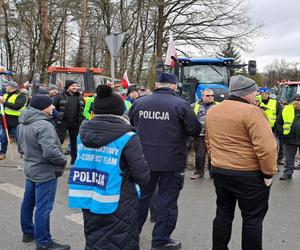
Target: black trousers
[(169, 186), (73, 132), (252, 196), (200, 155)]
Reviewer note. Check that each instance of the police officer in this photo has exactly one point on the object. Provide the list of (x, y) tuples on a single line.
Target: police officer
[(163, 122), (288, 123)]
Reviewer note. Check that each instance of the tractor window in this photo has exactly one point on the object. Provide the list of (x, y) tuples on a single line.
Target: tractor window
[(99, 80), (287, 92), (205, 74), (62, 77)]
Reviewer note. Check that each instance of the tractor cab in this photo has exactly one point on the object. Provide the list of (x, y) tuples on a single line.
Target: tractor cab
[(286, 91), (87, 78)]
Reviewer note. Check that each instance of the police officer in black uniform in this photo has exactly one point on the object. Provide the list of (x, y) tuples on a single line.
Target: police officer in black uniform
[(163, 122)]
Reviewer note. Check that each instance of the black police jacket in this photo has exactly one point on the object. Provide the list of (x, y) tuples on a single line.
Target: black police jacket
[(164, 121)]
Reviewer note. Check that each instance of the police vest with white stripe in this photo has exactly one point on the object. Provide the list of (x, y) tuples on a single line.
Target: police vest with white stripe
[(270, 111), (95, 179), (12, 99), (288, 115)]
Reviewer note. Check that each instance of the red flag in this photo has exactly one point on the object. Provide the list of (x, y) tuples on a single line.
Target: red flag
[(125, 81), (171, 53)]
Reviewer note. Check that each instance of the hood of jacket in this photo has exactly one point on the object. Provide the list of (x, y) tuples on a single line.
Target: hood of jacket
[(31, 115), (103, 129)]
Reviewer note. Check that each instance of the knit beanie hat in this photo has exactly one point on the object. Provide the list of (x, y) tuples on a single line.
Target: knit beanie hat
[(132, 88), (241, 86), (107, 102), (40, 102), (68, 83)]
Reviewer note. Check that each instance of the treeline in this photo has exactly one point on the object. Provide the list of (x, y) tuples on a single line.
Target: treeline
[(35, 34)]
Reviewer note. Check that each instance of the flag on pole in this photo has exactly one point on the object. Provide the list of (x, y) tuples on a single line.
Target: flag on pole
[(125, 81), (171, 53)]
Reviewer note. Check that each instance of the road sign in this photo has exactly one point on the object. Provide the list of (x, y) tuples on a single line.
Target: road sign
[(114, 42)]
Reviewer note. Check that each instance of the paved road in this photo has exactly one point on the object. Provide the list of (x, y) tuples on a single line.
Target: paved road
[(197, 209)]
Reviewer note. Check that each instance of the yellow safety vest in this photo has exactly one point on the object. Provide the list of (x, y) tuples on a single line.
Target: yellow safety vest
[(288, 115), (197, 106), (270, 111), (12, 100)]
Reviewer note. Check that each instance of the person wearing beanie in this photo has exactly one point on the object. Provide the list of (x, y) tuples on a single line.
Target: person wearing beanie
[(163, 120), (243, 154), (14, 101), (132, 93), (109, 150), (272, 108), (44, 162), (70, 105), (288, 126)]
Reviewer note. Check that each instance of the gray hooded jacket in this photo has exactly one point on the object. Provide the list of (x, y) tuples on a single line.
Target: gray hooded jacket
[(44, 158)]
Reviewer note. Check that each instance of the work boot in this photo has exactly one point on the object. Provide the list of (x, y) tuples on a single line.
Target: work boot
[(172, 245), (197, 176), (285, 177), (27, 238), (2, 156), (54, 246)]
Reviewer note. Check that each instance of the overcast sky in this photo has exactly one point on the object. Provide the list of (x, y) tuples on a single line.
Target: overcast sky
[(281, 32)]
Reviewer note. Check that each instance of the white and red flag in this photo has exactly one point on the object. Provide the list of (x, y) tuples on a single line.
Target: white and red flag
[(171, 53), (125, 81)]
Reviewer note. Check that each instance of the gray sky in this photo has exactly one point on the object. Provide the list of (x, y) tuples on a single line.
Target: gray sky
[(281, 32)]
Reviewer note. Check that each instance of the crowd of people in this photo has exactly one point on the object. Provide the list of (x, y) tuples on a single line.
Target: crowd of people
[(129, 154)]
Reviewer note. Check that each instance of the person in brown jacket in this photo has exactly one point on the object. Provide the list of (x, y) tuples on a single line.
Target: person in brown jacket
[(243, 155)]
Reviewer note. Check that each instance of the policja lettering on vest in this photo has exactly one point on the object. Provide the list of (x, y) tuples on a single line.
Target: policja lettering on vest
[(89, 177), (154, 115)]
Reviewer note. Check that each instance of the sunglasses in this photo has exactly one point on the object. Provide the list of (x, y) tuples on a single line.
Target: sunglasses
[(209, 95)]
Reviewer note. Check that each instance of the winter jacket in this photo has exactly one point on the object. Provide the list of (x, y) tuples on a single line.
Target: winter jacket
[(12, 120), (164, 121), (239, 139), (43, 155), (293, 137), (70, 108), (117, 230)]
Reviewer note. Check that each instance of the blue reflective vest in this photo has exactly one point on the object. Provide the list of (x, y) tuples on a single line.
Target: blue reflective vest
[(95, 179)]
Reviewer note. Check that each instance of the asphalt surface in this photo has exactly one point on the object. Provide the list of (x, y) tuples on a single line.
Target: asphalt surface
[(194, 227)]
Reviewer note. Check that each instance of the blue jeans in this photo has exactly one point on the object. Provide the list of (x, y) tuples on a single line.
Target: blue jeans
[(40, 195), (3, 138)]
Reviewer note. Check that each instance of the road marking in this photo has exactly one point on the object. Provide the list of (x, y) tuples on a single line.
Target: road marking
[(77, 218), (12, 189), (19, 192)]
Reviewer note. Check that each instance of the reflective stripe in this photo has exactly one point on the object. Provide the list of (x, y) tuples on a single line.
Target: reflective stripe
[(94, 195)]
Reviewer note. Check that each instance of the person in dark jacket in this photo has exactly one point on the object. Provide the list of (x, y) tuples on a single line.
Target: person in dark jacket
[(164, 121), (14, 101), (70, 105), (113, 155), (44, 163), (288, 125)]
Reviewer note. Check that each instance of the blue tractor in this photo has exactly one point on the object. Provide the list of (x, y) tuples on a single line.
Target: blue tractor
[(197, 74)]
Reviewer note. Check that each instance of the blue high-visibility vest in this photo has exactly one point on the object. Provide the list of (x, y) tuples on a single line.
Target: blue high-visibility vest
[(95, 179)]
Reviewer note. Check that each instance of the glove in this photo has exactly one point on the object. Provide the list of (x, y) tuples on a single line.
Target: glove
[(268, 182)]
